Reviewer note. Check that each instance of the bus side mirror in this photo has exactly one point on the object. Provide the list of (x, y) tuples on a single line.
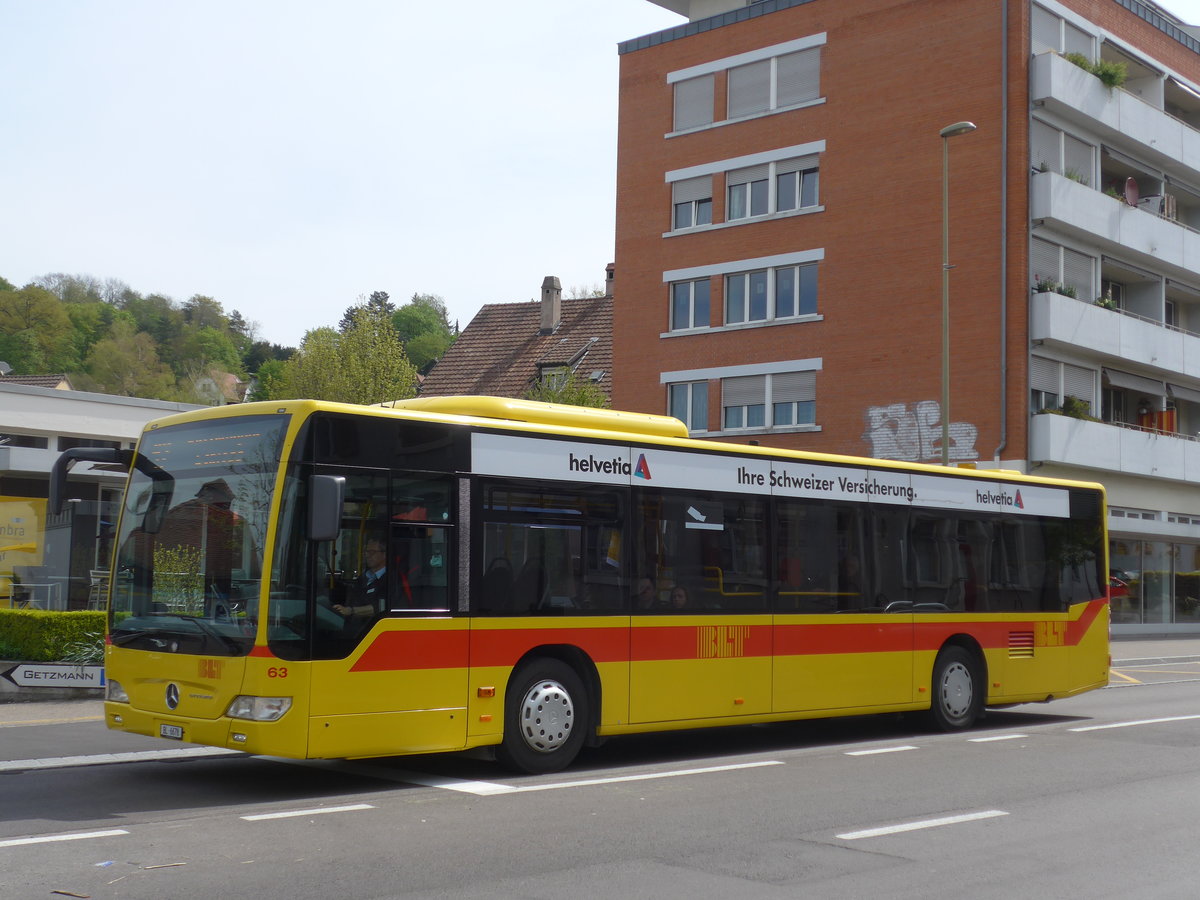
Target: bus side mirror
[(325, 496)]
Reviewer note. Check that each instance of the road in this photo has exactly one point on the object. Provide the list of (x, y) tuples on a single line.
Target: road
[(1093, 796)]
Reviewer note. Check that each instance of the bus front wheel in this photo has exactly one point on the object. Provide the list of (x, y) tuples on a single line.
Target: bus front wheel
[(958, 690), (545, 717)]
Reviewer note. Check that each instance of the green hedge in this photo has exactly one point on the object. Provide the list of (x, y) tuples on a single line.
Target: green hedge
[(35, 635)]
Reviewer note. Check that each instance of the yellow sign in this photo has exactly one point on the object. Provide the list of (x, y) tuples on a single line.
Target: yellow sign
[(22, 530)]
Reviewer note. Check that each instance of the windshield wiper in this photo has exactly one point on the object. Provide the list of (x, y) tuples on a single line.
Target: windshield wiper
[(208, 629), (129, 635)]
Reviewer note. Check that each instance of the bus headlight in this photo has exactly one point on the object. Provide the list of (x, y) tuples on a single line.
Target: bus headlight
[(114, 692), (259, 709)]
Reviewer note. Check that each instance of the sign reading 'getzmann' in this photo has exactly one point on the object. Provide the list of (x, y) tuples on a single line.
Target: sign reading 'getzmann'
[(522, 457), (55, 675)]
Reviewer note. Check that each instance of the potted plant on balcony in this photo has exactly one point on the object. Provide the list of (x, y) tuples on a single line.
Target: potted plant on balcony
[(1111, 74)]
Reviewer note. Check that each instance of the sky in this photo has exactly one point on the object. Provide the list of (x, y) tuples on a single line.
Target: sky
[(289, 158)]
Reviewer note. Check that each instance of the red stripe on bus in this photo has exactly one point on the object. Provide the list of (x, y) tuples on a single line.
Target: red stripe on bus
[(503, 647), (721, 640), (402, 650), (396, 650), (850, 637)]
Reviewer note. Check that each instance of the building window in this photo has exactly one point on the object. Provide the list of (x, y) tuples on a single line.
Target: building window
[(1061, 269), (1051, 32), (749, 193), (689, 304), (24, 440), (776, 83), (772, 294), (694, 102), (1051, 382), (688, 402), (795, 189), (743, 402), (746, 297), (692, 202), (1053, 150), (782, 400), (70, 443), (795, 291), (795, 184)]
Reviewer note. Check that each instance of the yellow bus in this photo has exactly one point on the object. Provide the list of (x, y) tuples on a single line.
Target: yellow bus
[(550, 576)]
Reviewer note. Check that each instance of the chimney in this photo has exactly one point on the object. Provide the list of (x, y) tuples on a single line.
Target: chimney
[(610, 275), (551, 304)]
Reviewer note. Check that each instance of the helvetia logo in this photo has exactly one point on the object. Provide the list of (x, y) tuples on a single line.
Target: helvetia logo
[(642, 470), (1001, 498)]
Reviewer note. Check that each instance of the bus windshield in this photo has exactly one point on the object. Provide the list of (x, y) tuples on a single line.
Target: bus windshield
[(193, 527)]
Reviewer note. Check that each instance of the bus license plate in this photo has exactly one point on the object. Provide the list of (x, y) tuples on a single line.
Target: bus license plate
[(171, 731)]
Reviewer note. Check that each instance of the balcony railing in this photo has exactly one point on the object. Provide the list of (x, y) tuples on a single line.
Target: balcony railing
[(1115, 114), (1114, 447)]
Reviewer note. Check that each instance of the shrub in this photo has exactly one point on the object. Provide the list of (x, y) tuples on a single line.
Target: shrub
[(35, 635)]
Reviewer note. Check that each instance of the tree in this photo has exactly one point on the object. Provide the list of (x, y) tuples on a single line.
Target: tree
[(377, 301), (206, 348), (205, 312), (424, 329), (365, 363), (127, 364), (572, 390), (579, 292), (50, 343), (270, 377), (72, 288)]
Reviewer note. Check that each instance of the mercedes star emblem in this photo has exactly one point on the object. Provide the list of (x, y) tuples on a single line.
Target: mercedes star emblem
[(172, 696)]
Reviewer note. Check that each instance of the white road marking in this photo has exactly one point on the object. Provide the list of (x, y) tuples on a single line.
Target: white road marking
[(299, 813), (649, 776), (52, 838), (924, 823), (900, 749), (998, 737), (1137, 722), (491, 788), (101, 759)]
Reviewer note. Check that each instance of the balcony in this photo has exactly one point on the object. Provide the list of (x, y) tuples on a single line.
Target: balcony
[(1069, 323), (1116, 227), (1115, 115), (1113, 448)]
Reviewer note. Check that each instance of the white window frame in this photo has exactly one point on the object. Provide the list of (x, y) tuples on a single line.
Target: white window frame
[(771, 178), (766, 406), (689, 390), (813, 42), (694, 323), (798, 158), (770, 103), (771, 299)]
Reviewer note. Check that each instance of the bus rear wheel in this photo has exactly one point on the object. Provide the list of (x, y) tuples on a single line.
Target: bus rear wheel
[(545, 717), (958, 690)]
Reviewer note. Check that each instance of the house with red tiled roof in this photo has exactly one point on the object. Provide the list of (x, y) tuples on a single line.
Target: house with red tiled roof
[(58, 382), (509, 347)]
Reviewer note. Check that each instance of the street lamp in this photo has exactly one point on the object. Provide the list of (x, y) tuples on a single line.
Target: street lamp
[(948, 132)]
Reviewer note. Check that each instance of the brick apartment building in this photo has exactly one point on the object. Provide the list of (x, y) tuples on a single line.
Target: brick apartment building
[(779, 246)]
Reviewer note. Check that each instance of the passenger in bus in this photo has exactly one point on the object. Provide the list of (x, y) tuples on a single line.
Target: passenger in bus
[(647, 596), (368, 595), (679, 597)]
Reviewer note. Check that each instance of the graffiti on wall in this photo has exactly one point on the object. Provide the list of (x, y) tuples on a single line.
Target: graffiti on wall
[(913, 432)]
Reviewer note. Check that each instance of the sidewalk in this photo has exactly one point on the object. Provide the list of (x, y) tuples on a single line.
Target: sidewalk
[(1129, 649)]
